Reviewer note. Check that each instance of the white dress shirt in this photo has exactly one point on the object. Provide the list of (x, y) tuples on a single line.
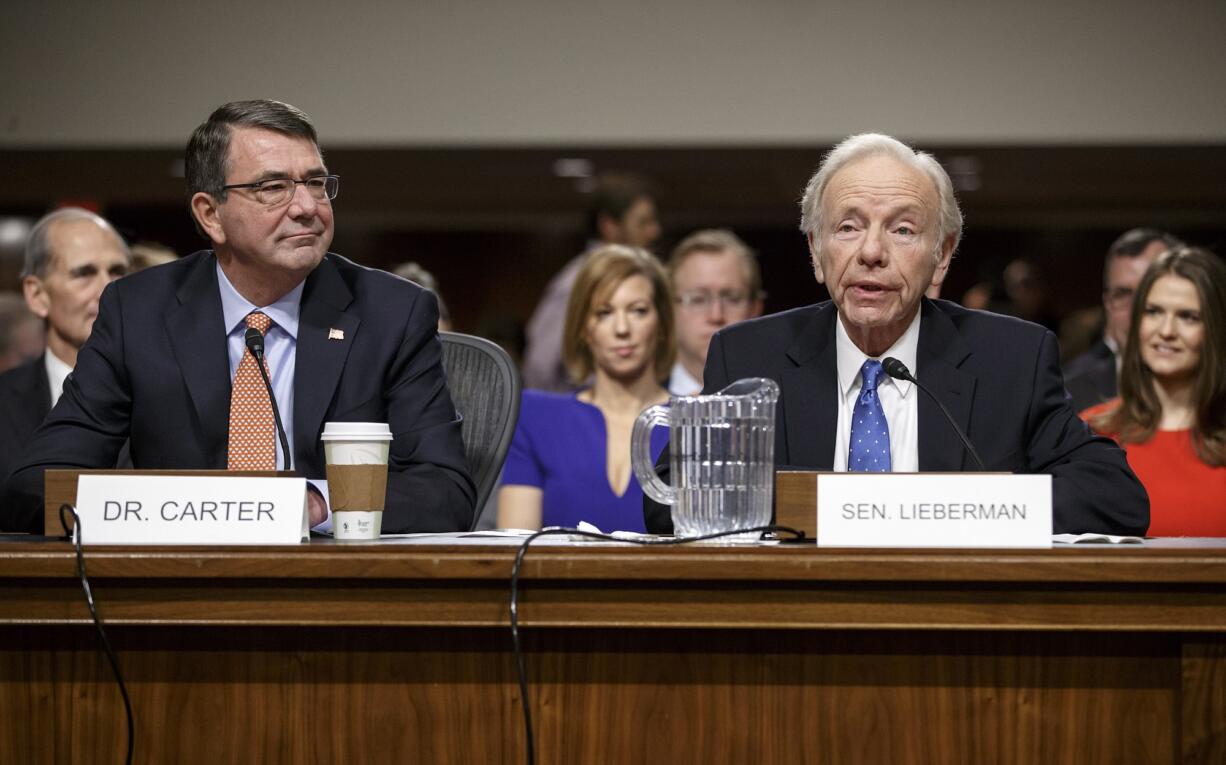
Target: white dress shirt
[(57, 371), (899, 399), (681, 382)]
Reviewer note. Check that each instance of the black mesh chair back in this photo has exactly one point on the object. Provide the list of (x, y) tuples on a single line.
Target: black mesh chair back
[(485, 387)]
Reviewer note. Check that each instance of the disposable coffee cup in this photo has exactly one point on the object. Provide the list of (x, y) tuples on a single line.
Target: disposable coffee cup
[(356, 457)]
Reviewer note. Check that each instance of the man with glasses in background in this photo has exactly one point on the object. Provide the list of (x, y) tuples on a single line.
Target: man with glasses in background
[(716, 282), (342, 342), (1092, 377)]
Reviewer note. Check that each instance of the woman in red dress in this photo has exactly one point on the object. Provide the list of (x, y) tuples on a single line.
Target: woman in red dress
[(1170, 416)]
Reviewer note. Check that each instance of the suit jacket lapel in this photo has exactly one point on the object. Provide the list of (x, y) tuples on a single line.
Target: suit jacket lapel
[(320, 357), (197, 337), (810, 394), (940, 353)]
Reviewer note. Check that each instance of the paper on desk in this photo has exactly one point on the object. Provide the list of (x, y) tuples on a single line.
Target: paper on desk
[(1098, 539)]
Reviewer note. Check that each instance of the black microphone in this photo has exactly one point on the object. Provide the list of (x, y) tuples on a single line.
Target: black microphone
[(255, 343), (898, 370)]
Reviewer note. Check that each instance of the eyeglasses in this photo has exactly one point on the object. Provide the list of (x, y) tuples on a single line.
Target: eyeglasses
[(278, 191), (1120, 297), (701, 301)]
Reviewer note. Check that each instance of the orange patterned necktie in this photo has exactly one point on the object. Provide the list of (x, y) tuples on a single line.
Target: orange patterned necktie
[(252, 434)]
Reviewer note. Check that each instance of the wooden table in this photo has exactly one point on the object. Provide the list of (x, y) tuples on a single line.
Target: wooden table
[(330, 653)]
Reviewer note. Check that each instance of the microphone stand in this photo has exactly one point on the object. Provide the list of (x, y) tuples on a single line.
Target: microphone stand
[(255, 344), (898, 370)]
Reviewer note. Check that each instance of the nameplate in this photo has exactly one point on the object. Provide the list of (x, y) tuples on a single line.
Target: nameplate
[(933, 510), (191, 510)]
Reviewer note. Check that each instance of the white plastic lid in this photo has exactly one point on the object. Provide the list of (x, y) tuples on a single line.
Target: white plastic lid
[(356, 431)]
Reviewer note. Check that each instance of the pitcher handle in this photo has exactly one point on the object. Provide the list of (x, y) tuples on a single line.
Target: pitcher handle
[(640, 455)]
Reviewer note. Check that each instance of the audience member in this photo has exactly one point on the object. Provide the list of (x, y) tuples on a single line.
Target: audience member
[(622, 211), (882, 224), (1026, 293), (343, 342), (716, 282), (1091, 377), (420, 276), (71, 255), (21, 333), (149, 254), (570, 456), (1171, 412)]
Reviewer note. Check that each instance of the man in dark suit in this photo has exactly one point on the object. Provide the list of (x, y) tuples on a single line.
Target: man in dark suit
[(71, 255), (882, 225), (25, 399), (343, 342), (1092, 377)]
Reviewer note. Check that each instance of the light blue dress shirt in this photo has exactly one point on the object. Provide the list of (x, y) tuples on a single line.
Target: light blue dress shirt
[(280, 345)]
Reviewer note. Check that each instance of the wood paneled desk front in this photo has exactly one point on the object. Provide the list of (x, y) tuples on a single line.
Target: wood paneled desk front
[(399, 652)]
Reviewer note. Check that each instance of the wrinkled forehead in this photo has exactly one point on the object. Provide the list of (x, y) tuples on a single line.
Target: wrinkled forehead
[(880, 180), (74, 240), (254, 149)]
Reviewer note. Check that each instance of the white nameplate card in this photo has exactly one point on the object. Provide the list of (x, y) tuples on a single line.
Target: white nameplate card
[(191, 510), (933, 510)]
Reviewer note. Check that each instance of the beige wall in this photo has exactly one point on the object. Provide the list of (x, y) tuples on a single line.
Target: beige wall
[(629, 72)]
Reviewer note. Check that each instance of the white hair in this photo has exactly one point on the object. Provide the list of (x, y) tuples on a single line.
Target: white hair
[(38, 244), (866, 145)]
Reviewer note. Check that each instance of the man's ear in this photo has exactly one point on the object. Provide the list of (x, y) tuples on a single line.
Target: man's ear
[(208, 217), (36, 296), (942, 269), (817, 262)]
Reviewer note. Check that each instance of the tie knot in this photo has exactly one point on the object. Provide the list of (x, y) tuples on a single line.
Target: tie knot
[(871, 373), (257, 320)]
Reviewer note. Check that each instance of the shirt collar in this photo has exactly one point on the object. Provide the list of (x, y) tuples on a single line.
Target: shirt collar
[(681, 382), (234, 307), (57, 371), (850, 358)]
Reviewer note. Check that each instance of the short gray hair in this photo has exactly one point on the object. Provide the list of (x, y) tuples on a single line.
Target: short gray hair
[(38, 245), (206, 160), (867, 145)]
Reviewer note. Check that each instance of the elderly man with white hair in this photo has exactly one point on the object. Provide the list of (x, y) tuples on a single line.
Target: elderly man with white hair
[(71, 256), (882, 224)]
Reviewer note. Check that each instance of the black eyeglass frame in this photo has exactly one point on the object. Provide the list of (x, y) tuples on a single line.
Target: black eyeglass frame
[(332, 185)]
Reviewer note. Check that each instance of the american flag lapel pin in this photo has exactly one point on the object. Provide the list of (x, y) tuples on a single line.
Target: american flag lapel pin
[(336, 334)]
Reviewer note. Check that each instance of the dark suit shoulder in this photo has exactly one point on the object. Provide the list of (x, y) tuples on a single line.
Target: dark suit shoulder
[(363, 280), (157, 279), (23, 377), (976, 325), (1098, 357), (773, 334), (25, 399), (789, 322)]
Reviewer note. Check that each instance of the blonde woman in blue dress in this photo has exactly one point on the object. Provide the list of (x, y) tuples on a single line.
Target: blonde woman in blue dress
[(570, 456)]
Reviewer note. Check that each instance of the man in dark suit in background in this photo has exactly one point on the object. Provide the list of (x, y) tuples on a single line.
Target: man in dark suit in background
[(343, 342), (1092, 377), (70, 257), (882, 225)]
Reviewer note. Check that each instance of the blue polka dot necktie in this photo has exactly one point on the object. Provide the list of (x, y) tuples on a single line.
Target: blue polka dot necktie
[(870, 434)]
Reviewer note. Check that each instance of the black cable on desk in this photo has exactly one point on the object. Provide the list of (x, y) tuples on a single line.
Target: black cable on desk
[(75, 535), (557, 531)]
